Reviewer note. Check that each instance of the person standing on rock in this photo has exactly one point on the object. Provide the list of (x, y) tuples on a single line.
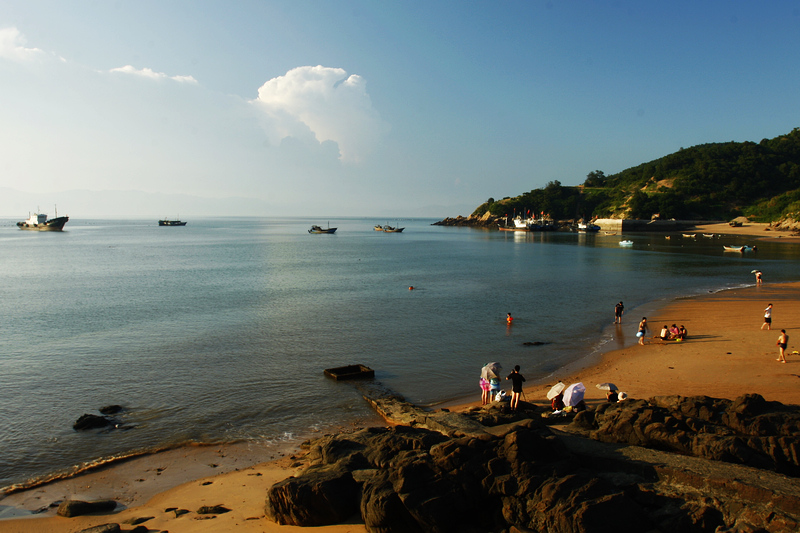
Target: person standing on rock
[(619, 309), (767, 318), (516, 387)]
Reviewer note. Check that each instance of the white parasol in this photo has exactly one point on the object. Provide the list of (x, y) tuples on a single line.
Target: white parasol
[(557, 389), (491, 370), (754, 271), (574, 394), (607, 386)]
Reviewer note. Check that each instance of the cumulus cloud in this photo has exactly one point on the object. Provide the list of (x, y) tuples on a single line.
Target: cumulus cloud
[(328, 103), (12, 46), (150, 73)]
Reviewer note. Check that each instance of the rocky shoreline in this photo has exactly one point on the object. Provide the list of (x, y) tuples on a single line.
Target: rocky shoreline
[(664, 464)]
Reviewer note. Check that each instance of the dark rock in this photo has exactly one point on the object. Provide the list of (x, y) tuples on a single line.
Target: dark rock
[(534, 343), (88, 421), (322, 495), (140, 529), (111, 409), (213, 509), (70, 508), (104, 528)]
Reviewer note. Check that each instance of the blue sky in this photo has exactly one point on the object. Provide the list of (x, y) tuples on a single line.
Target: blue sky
[(373, 107)]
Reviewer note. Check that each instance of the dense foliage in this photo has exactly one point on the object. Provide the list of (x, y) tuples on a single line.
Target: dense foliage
[(715, 181)]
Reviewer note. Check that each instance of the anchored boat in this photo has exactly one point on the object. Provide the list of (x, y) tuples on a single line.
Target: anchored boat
[(39, 222)]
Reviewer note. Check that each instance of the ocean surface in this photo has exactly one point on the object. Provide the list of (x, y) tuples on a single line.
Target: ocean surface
[(219, 331)]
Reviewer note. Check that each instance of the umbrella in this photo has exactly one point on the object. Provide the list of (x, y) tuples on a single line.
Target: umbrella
[(754, 271), (574, 394), (607, 386), (557, 389), (491, 370)]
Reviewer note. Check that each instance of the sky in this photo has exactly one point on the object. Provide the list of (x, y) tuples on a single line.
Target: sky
[(370, 108)]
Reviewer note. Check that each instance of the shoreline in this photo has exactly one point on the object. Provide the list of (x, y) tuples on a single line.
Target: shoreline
[(726, 355)]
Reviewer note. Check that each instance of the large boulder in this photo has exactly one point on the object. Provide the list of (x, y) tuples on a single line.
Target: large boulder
[(320, 496)]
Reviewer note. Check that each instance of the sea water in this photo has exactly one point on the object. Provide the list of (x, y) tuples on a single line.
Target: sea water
[(219, 331)]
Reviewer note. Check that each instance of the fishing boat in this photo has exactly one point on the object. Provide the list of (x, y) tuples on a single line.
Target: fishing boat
[(378, 227), (168, 222), (689, 235), (320, 229), (588, 227), (39, 222), (626, 243), (390, 229)]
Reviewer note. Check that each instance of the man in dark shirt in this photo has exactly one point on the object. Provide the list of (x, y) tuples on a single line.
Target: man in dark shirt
[(516, 387), (618, 310)]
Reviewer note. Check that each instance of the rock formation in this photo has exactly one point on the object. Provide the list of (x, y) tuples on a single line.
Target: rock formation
[(442, 472)]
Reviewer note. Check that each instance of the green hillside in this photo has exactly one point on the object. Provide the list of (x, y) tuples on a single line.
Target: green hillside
[(715, 181)]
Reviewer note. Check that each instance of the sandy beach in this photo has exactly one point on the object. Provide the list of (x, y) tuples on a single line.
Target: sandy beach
[(727, 354)]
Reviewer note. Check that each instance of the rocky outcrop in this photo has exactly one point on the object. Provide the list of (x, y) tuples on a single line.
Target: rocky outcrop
[(70, 508), (787, 223), (748, 430), (525, 476), (487, 220)]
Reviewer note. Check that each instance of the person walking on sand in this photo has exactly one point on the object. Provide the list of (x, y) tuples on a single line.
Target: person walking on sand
[(516, 387), (642, 330), (783, 341), (767, 318), (619, 309)]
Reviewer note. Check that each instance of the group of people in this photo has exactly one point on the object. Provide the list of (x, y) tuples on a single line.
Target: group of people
[(491, 389), (673, 333)]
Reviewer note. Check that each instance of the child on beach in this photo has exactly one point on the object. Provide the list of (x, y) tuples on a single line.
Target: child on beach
[(783, 341), (516, 387), (642, 330)]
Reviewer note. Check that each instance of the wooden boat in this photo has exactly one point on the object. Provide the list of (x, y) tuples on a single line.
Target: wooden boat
[(739, 248), (689, 235), (350, 372), (711, 236), (390, 229), (612, 233), (378, 227), (320, 229)]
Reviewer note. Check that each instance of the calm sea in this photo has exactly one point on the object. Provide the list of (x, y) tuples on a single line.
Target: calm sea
[(220, 330)]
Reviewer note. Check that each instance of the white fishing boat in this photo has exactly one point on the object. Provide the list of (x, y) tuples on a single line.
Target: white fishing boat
[(40, 222)]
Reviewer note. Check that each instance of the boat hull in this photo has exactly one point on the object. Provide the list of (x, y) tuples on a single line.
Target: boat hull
[(55, 224), (171, 223), (350, 372)]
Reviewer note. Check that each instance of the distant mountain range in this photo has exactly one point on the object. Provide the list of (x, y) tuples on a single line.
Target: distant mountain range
[(715, 181)]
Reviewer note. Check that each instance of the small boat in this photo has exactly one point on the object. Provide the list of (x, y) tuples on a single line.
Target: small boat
[(667, 237), (613, 233), (739, 248), (350, 372), (378, 227), (706, 235), (39, 222), (390, 229), (625, 243), (320, 229), (689, 235), (168, 222), (583, 227)]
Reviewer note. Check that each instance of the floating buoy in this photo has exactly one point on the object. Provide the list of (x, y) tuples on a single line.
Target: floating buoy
[(411, 288)]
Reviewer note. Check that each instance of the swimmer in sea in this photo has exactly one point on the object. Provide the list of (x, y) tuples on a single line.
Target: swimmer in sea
[(509, 318)]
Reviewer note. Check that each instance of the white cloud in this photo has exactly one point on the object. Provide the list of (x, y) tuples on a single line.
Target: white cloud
[(327, 102), (150, 73), (12, 46)]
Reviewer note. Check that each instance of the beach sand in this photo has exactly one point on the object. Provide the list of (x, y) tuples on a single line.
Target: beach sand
[(726, 355)]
